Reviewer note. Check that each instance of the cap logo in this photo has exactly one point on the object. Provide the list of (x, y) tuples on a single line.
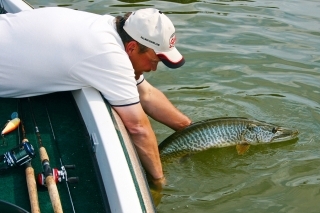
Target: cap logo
[(152, 42), (172, 40)]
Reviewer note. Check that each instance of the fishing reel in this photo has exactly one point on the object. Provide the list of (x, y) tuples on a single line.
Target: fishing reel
[(17, 156), (58, 176)]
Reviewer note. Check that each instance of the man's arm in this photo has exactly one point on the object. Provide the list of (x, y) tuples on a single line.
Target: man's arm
[(158, 107), (143, 137)]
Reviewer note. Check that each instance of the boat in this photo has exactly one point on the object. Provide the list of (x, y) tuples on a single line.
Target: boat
[(78, 128)]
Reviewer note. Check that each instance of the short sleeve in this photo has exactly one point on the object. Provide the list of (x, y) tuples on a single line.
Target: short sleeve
[(112, 74), (140, 80)]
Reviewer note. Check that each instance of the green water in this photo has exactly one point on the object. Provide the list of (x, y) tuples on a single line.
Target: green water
[(256, 59)]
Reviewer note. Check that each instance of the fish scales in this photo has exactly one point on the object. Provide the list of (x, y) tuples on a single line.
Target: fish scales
[(222, 132)]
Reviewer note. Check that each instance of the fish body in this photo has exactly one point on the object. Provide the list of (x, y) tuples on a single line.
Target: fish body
[(223, 132)]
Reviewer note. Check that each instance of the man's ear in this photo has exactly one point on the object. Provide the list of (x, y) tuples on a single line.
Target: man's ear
[(130, 47)]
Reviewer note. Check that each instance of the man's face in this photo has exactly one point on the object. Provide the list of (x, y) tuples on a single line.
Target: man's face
[(142, 62)]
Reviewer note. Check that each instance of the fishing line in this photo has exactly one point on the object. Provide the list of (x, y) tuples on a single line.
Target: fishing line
[(63, 167)]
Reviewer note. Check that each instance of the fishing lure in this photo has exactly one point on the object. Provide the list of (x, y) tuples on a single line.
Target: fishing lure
[(12, 124)]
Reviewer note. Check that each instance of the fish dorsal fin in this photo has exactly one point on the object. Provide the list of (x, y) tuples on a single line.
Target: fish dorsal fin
[(242, 148)]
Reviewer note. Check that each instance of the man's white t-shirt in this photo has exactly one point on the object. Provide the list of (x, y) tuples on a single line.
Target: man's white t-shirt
[(58, 49)]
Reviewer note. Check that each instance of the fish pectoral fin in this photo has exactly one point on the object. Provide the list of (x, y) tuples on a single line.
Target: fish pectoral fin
[(242, 148), (185, 157)]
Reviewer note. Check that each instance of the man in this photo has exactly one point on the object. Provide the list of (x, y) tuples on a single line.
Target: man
[(57, 49)]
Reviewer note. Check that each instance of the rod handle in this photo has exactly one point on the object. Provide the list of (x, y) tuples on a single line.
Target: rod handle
[(32, 189), (54, 194), (43, 154), (51, 184)]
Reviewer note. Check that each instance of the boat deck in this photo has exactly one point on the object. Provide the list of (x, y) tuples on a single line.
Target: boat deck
[(73, 141)]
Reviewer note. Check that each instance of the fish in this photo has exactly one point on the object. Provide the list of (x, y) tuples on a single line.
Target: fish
[(223, 132)]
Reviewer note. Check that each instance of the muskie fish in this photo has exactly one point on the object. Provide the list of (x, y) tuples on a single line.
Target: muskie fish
[(223, 132)]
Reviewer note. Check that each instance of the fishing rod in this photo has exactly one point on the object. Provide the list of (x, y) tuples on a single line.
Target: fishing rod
[(49, 179), (63, 173), (30, 177)]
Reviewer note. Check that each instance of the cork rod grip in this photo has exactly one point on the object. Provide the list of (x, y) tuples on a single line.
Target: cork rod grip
[(54, 194), (32, 189), (43, 154), (51, 185)]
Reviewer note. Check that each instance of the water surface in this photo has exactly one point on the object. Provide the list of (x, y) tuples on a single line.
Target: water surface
[(256, 59)]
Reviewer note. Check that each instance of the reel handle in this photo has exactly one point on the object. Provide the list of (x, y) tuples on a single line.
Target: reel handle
[(70, 166), (73, 180)]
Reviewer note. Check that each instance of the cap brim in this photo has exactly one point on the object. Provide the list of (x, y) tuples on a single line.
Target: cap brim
[(172, 59)]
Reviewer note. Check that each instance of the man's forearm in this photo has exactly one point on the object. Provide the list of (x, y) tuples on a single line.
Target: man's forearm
[(143, 137), (147, 149), (158, 107)]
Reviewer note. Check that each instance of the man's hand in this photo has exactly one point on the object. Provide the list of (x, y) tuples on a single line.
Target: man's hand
[(158, 183), (156, 186)]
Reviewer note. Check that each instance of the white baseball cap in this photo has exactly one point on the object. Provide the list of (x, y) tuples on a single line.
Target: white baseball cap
[(153, 29)]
